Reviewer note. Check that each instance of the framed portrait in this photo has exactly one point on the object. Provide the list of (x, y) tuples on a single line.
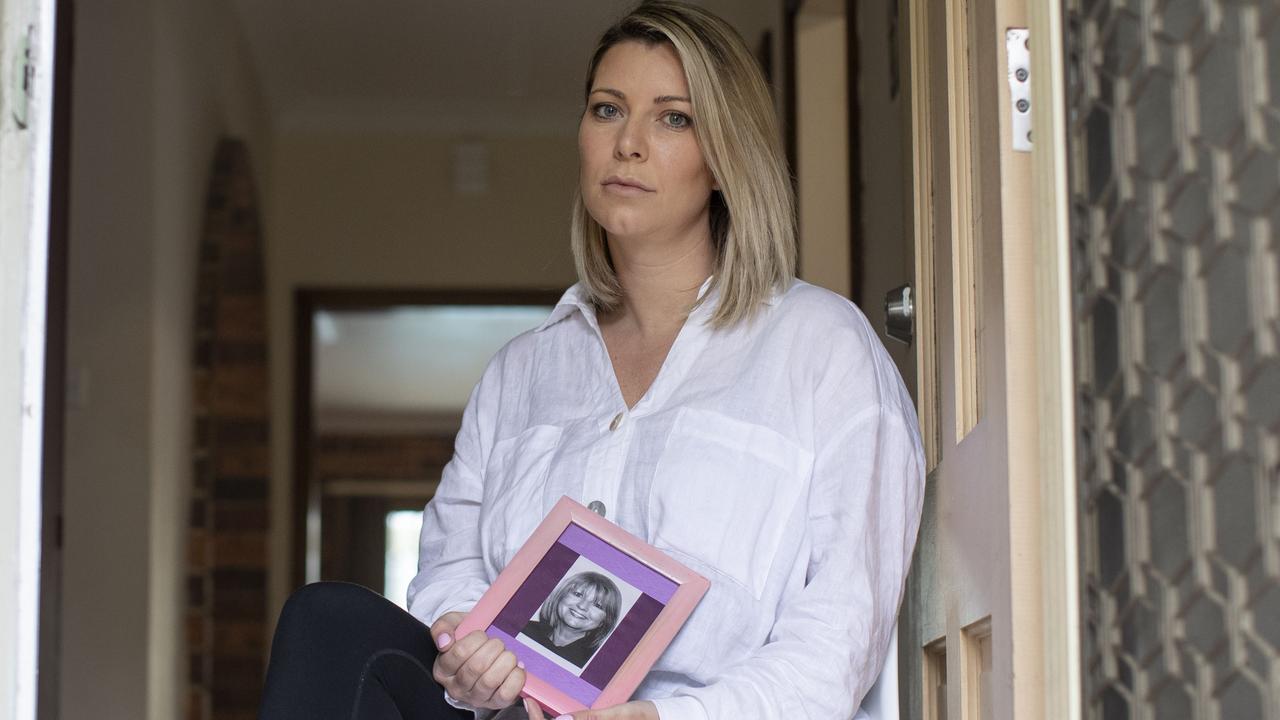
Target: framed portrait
[(587, 607)]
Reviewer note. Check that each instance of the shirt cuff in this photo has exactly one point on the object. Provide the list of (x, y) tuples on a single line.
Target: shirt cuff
[(481, 713), (679, 707), (462, 607)]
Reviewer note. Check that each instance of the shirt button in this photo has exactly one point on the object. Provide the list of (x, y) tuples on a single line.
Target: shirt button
[(596, 507), (617, 420)]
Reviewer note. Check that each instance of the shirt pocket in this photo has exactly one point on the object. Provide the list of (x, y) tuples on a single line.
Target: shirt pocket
[(514, 479), (724, 491)]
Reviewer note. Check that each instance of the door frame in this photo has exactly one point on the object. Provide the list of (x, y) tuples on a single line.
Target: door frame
[(1040, 412), (1054, 461)]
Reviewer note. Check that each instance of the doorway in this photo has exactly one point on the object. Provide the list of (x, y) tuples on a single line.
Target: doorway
[(382, 378)]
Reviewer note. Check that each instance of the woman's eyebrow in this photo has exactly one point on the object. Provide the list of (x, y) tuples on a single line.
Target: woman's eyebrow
[(657, 101)]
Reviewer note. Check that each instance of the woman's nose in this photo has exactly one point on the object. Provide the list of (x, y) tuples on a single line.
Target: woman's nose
[(630, 143)]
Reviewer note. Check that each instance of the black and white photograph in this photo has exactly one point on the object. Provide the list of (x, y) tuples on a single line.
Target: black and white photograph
[(574, 621)]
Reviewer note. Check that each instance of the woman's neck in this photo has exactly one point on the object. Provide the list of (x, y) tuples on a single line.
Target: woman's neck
[(561, 635), (660, 282)]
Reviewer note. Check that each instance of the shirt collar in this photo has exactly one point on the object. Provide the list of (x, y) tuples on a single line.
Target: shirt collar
[(575, 299)]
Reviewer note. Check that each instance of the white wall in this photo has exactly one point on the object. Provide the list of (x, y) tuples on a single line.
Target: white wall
[(822, 148), (156, 82)]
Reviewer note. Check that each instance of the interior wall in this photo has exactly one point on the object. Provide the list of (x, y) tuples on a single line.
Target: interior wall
[(157, 81), (822, 147), (359, 210)]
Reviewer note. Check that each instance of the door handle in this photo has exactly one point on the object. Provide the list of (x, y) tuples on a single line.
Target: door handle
[(900, 314)]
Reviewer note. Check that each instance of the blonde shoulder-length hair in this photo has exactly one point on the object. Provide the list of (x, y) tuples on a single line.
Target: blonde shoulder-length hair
[(753, 212)]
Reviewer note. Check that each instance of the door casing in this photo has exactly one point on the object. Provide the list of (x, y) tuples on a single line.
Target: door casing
[(995, 562)]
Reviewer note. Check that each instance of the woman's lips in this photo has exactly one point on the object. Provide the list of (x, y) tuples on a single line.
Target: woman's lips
[(623, 186)]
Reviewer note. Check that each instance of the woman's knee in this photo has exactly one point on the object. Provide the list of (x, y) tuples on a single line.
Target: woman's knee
[(322, 604)]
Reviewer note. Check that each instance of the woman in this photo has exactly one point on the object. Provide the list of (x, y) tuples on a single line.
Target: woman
[(575, 619), (692, 391)]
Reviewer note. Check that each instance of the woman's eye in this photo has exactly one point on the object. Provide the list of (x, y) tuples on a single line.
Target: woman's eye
[(605, 111), (678, 120)]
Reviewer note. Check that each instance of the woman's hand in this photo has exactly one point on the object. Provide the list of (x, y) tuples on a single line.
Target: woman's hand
[(477, 670), (638, 710)]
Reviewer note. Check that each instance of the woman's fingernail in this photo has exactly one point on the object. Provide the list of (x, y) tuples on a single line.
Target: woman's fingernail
[(528, 706), (520, 664), (565, 717), (444, 641)]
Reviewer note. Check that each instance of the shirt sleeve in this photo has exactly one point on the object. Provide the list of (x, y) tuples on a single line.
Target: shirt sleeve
[(451, 571), (830, 639)]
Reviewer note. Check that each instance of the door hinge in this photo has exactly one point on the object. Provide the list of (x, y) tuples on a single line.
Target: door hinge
[(1017, 42)]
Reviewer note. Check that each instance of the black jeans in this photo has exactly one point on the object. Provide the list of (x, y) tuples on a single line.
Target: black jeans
[(343, 651)]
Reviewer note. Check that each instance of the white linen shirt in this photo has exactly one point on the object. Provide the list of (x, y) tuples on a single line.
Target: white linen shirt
[(779, 458)]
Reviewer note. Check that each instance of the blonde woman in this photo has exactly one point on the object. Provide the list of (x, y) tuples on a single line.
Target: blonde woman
[(575, 619), (689, 389)]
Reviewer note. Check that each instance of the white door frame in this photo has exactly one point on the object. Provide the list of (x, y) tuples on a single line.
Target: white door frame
[(25, 157)]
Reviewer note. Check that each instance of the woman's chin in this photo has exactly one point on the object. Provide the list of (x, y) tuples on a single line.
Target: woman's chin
[(621, 222), (623, 232)]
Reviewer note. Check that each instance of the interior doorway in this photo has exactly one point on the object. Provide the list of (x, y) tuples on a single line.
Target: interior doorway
[(382, 380)]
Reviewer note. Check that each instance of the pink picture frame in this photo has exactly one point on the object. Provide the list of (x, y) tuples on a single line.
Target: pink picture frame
[(653, 596)]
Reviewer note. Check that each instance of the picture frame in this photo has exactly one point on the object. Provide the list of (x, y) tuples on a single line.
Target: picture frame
[(579, 574)]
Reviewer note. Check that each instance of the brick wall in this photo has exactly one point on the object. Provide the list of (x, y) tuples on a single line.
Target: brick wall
[(381, 457), (227, 552)]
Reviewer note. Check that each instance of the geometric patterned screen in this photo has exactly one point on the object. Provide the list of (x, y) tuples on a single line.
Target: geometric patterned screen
[(1174, 147)]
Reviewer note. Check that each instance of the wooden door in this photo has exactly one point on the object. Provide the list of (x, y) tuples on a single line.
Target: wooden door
[(971, 627)]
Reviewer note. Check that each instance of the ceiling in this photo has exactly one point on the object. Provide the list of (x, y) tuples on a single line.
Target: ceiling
[(487, 66), (409, 368)]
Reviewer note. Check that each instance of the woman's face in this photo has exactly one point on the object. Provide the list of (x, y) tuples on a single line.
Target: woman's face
[(641, 169), (579, 610)]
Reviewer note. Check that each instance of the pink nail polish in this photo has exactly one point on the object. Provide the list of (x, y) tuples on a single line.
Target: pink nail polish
[(520, 664), (444, 641)]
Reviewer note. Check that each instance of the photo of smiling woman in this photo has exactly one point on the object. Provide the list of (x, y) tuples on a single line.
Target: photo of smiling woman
[(575, 619)]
